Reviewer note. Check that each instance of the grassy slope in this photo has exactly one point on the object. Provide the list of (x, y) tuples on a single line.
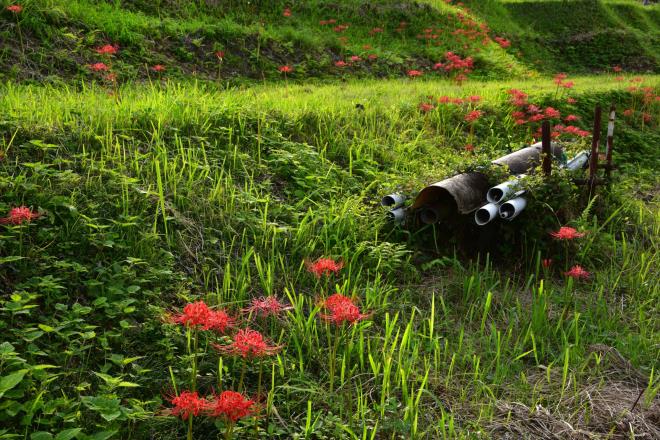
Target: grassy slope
[(59, 38), (161, 193), (176, 193)]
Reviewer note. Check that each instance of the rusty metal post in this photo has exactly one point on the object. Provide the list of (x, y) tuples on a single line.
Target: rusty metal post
[(546, 152), (610, 141), (593, 160)]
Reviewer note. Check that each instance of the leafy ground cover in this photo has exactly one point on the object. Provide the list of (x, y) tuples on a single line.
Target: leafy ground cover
[(142, 198)]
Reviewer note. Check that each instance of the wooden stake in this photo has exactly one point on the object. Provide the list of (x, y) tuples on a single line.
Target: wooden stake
[(546, 148)]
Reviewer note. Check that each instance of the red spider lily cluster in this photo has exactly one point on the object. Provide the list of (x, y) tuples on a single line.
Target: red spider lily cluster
[(426, 107), (473, 115), (108, 49), (456, 64), (158, 68), (16, 9), (414, 73), (248, 344), (285, 69), (567, 233), (324, 266), (199, 315), (503, 42), (559, 80), (230, 405), (19, 215), (286, 12), (99, 67), (342, 309), (577, 272), (268, 306)]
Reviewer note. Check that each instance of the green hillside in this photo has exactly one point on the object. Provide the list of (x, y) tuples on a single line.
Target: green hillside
[(221, 179)]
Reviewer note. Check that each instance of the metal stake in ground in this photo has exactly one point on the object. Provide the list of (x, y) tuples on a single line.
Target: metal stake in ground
[(593, 160), (610, 142)]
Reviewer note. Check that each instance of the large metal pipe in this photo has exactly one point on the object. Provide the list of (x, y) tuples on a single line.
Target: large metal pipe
[(486, 213), (512, 208), (465, 192), (393, 201)]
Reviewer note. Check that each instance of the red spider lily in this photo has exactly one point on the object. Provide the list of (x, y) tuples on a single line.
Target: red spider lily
[(571, 100), (460, 78), (444, 99), (474, 98), (567, 233), (520, 121), (426, 107), (469, 147), (16, 9), (577, 272), (267, 306), (551, 113), (108, 49), (568, 85), (342, 309), (110, 77), (559, 78), (366, 46), (198, 314), (646, 117), (628, 112), (547, 262), (341, 63), (438, 66), (20, 215), (220, 54), (617, 68), (576, 131), (375, 31), (188, 403), (248, 344), (415, 73), (324, 266), (158, 68), (99, 67), (285, 69), (619, 78), (340, 28), (286, 12), (503, 42), (326, 22), (533, 109), (457, 101), (637, 79), (373, 57), (231, 405), (571, 118), (517, 115), (356, 59), (473, 115)]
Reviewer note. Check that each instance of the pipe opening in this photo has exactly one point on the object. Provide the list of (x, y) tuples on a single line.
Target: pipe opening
[(429, 215), (482, 216), (388, 201), (495, 195), (507, 210)]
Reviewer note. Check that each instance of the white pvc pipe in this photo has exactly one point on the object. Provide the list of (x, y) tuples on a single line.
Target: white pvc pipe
[(502, 191), (397, 215), (486, 214), (579, 161), (393, 200), (512, 208)]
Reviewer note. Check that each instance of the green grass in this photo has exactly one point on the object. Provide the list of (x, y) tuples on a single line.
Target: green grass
[(219, 182), (164, 194)]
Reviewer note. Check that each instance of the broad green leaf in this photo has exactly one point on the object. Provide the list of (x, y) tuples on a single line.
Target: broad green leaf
[(41, 435), (46, 328), (68, 434), (11, 380)]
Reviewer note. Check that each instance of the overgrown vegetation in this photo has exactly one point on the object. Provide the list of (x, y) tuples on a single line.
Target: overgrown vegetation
[(146, 196)]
